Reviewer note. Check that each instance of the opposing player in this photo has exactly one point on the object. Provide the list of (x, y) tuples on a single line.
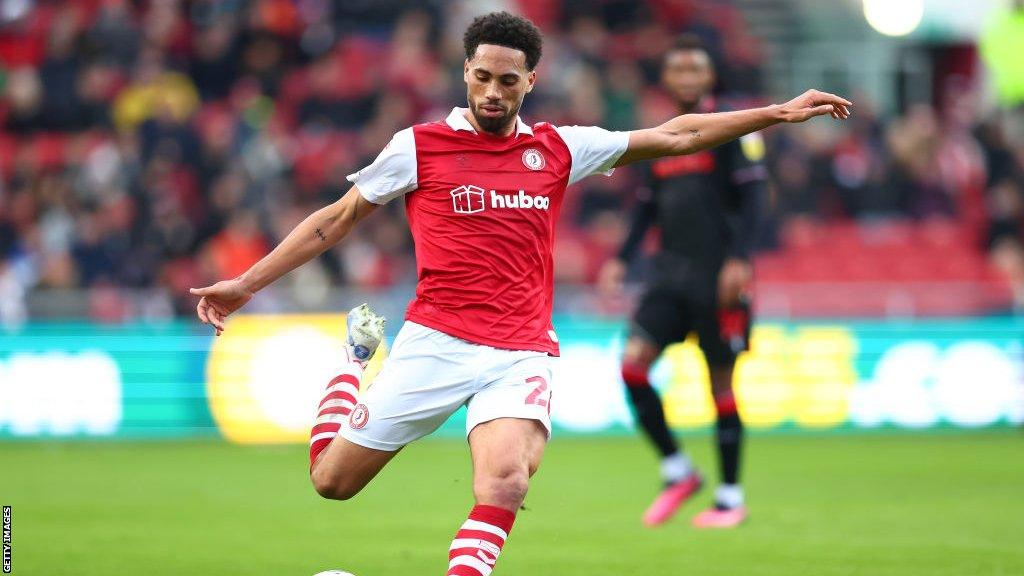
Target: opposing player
[(482, 191), (707, 207)]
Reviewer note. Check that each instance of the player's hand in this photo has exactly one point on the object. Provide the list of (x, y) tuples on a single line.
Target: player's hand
[(220, 300), (815, 103), (611, 276), (734, 281)]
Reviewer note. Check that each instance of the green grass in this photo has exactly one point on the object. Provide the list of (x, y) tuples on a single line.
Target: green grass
[(878, 505)]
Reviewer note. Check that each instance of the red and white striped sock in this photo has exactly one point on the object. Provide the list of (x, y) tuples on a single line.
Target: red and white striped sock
[(336, 405), (475, 550)]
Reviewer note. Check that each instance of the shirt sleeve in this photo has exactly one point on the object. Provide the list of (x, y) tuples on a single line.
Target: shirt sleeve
[(392, 174), (645, 209), (593, 150), (746, 193)]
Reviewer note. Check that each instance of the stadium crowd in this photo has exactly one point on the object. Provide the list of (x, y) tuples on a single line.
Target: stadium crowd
[(166, 144)]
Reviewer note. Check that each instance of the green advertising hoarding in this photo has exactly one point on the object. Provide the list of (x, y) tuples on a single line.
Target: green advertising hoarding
[(92, 380), (260, 382)]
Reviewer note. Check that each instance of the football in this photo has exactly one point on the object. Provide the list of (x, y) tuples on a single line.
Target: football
[(334, 573)]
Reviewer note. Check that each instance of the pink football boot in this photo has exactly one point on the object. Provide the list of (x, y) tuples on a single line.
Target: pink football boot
[(716, 517), (671, 498)]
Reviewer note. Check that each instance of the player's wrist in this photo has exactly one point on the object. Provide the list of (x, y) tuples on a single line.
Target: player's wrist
[(248, 283), (776, 113)]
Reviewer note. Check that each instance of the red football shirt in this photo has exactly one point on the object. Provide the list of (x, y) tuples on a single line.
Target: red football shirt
[(482, 210)]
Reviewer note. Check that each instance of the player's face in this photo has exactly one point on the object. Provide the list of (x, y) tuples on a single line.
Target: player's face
[(497, 81), (688, 76)]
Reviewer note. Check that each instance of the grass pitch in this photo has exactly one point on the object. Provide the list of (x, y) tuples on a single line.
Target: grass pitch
[(878, 505)]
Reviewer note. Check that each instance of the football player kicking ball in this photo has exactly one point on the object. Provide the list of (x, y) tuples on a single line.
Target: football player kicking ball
[(707, 207), (482, 191)]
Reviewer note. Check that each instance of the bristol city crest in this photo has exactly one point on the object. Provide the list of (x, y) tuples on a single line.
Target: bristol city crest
[(359, 417), (533, 159)]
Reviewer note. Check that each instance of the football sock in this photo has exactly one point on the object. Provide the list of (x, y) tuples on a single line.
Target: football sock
[(336, 405), (476, 546), (648, 409), (675, 467), (728, 496), (729, 429)]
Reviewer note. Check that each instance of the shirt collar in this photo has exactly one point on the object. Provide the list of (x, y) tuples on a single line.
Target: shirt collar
[(457, 120)]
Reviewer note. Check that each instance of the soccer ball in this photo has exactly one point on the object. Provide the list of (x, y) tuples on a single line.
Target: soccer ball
[(334, 573)]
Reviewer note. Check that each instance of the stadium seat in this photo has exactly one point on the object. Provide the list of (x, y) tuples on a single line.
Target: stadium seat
[(877, 268)]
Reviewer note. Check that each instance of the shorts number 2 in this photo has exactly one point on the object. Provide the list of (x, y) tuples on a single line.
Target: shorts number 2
[(535, 396)]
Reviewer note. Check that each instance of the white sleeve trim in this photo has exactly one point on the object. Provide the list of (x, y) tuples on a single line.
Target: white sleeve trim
[(593, 150), (392, 174)]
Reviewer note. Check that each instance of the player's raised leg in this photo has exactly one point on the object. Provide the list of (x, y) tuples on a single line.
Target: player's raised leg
[(338, 467), (506, 452), (728, 509), (681, 479), (428, 375)]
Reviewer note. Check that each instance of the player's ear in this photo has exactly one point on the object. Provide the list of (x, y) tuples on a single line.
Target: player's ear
[(465, 70), (531, 78)]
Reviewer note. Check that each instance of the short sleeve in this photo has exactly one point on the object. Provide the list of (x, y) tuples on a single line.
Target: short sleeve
[(594, 150), (392, 174)]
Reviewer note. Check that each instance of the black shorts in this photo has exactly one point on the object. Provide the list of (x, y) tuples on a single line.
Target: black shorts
[(667, 315)]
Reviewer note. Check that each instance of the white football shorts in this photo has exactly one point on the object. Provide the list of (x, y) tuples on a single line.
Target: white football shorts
[(430, 374)]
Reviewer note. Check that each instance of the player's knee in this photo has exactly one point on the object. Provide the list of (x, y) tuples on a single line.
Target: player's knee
[(506, 488), (725, 405), (635, 373), (322, 483), (636, 362), (335, 490), (333, 486)]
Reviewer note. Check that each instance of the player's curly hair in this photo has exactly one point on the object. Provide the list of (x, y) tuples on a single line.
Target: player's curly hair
[(504, 29)]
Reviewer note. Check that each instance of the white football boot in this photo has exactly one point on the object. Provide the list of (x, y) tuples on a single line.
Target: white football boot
[(365, 333)]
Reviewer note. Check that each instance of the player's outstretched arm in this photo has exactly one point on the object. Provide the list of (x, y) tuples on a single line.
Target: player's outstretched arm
[(691, 133), (318, 232)]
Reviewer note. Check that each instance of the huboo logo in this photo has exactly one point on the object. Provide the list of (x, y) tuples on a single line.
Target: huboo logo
[(471, 199)]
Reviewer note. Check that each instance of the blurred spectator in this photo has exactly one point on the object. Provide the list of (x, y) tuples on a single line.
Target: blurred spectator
[(24, 95), (59, 71), (13, 312), (859, 169), (914, 142), (238, 246), (1005, 203), (114, 36), (154, 92), (213, 65)]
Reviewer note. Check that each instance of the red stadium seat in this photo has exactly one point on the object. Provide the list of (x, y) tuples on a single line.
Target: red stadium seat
[(879, 268)]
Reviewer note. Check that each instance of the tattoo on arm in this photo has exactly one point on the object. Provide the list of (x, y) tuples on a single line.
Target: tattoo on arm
[(319, 234), (695, 138)]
